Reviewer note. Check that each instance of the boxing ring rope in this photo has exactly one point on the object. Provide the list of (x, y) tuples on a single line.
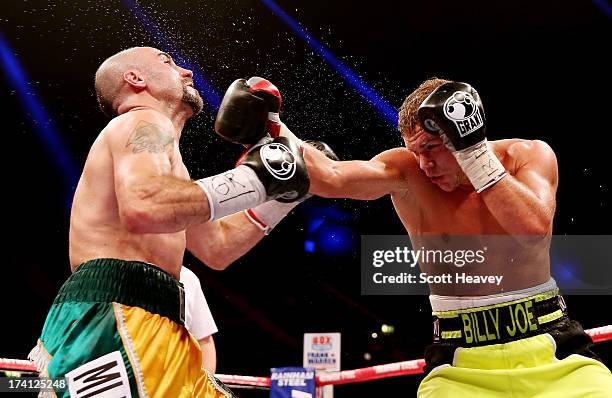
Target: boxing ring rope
[(403, 368)]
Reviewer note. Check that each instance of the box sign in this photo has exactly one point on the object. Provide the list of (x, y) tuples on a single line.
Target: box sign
[(322, 351)]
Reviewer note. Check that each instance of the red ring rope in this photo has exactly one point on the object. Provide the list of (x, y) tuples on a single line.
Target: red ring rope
[(404, 368)]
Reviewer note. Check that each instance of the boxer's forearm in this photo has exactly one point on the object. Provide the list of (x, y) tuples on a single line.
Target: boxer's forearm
[(163, 204), (221, 242), (353, 179), (517, 209)]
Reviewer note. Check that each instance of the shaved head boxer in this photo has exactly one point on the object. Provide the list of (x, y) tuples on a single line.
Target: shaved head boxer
[(448, 181), (117, 325)]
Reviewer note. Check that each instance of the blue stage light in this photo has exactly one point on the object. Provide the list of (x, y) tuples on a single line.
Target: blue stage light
[(604, 6), (40, 120), (387, 111), (565, 272), (335, 239), (314, 224), (309, 246), (327, 229), (315, 209)]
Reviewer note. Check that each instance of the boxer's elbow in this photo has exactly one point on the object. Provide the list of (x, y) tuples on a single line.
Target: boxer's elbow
[(217, 263), (539, 229), (539, 225), (142, 217), (537, 232), (135, 210), (136, 219), (533, 232), (212, 245), (214, 259), (143, 210)]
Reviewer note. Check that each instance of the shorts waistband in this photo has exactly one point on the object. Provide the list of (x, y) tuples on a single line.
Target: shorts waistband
[(453, 303), (500, 323), (132, 283)]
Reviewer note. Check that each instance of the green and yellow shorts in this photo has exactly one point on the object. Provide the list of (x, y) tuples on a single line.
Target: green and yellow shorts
[(116, 329), (521, 348)]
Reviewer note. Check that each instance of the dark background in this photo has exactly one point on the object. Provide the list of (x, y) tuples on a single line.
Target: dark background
[(540, 68)]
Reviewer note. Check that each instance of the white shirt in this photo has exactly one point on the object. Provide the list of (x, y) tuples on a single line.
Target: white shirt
[(198, 319)]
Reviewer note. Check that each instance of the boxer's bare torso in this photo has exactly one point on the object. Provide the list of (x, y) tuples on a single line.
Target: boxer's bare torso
[(427, 210), (96, 229)]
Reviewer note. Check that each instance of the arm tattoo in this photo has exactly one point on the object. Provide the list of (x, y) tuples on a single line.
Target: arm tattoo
[(149, 137)]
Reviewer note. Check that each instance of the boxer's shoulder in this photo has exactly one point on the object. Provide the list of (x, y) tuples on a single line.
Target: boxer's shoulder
[(518, 144), (402, 167), (517, 150), (138, 124), (400, 163), (408, 162), (399, 158)]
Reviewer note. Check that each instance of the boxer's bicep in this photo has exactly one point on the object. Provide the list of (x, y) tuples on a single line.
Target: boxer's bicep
[(387, 172), (368, 180), (139, 154), (538, 171)]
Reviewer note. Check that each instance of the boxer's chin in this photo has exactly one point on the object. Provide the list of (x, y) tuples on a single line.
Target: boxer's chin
[(193, 99), (444, 183), (447, 188)]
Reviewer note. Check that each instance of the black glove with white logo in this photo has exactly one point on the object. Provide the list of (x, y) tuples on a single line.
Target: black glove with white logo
[(270, 169), (268, 215), (455, 113), (280, 166)]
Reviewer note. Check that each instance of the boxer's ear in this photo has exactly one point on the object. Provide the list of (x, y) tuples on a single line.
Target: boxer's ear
[(134, 78)]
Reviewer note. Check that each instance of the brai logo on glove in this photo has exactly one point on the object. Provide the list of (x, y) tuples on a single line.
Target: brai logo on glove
[(278, 160), (461, 109)]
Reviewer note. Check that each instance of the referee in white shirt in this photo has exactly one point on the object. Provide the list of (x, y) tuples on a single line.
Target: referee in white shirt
[(198, 319)]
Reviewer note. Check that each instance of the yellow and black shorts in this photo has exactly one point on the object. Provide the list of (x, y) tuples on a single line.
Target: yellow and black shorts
[(117, 327), (522, 348)]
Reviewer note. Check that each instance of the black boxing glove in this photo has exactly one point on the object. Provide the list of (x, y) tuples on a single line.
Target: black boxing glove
[(271, 169), (269, 214), (454, 112), (267, 91), (249, 111), (280, 167)]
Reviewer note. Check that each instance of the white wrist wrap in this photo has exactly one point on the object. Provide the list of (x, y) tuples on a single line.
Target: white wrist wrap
[(267, 215), (480, 165), (274, 117), (232, 191)]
